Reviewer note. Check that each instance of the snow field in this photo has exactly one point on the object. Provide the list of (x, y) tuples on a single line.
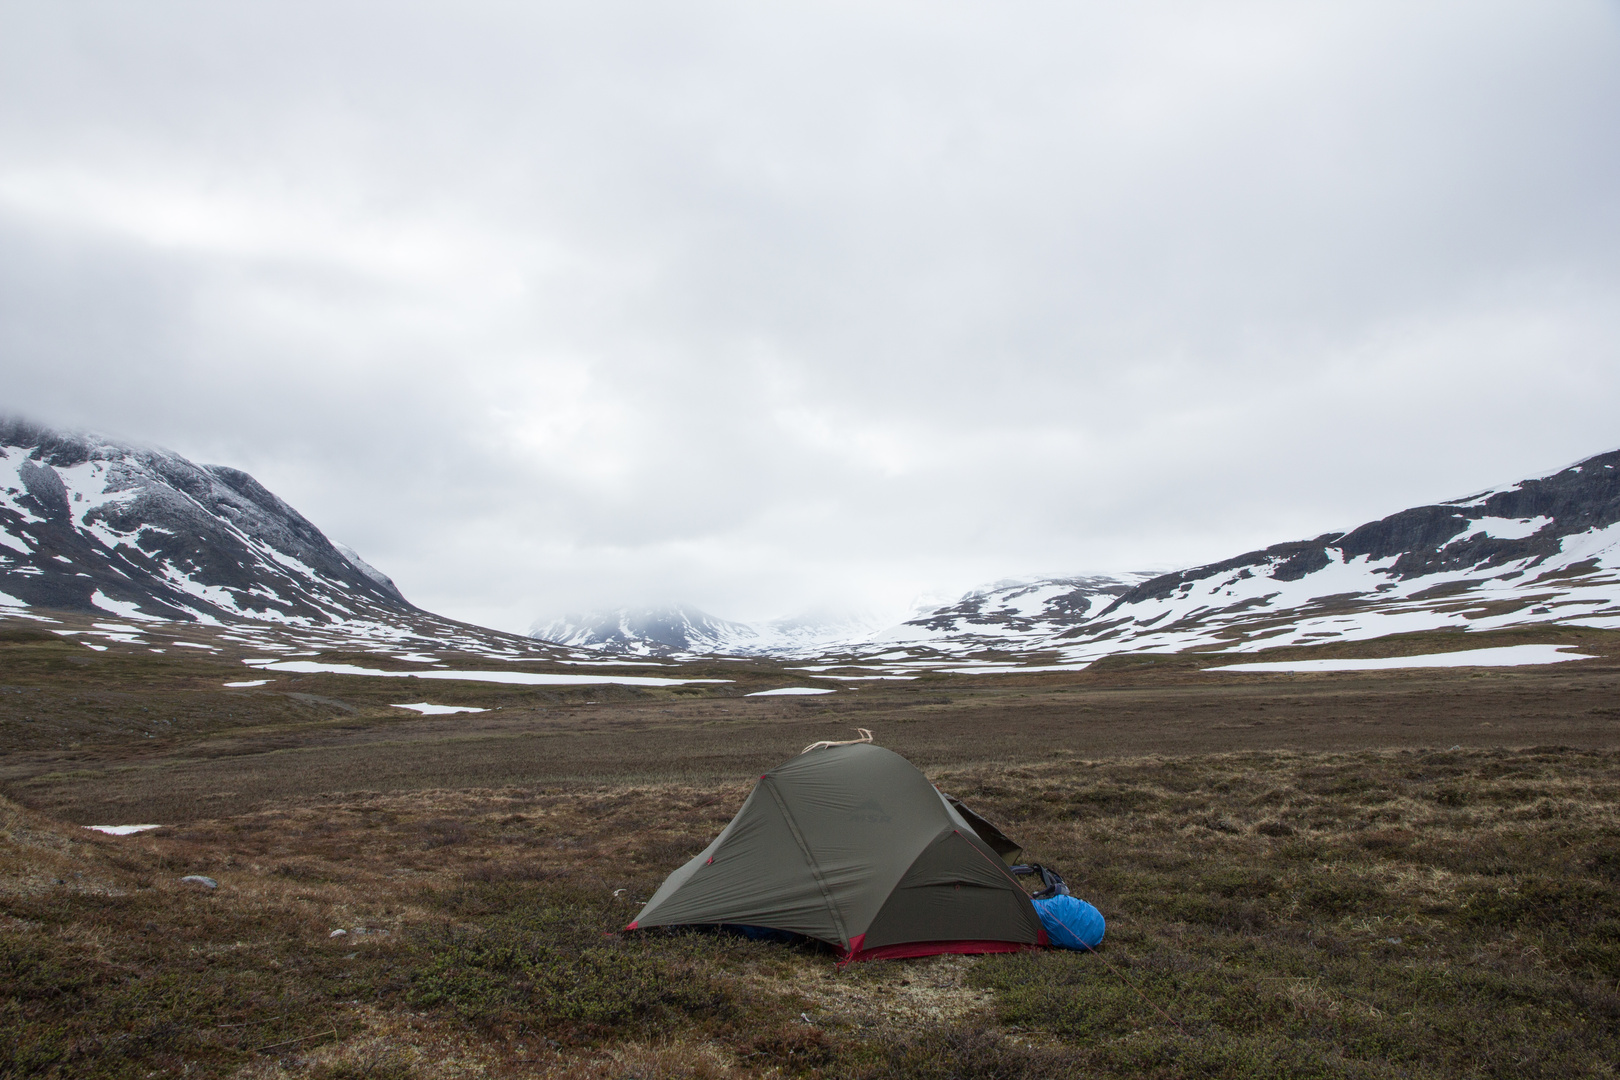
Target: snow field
[(1505, 656), (522, 678)]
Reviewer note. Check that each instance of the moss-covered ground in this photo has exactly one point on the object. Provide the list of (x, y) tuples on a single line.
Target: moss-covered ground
[(1440, 900)]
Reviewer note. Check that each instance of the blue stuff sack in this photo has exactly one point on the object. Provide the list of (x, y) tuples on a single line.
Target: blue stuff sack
[(1070, 922)]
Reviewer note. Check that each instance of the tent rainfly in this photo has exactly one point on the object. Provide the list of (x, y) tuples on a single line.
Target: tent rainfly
[(851, 845)]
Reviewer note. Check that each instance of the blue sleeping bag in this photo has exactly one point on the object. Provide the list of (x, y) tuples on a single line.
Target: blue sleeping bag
[(1070, 922)]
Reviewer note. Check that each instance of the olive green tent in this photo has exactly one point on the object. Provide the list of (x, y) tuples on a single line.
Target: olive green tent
[(853, 846)]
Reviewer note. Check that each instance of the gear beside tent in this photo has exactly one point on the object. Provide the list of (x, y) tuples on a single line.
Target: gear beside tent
[(851, 845)]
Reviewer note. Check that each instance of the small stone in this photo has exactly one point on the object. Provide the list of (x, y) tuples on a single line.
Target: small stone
[(337, 933), (198, 879)]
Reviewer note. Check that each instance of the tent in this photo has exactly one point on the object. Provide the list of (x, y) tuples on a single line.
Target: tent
[(851, 845)]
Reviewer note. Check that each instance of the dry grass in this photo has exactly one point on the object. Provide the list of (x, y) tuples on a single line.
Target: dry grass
[(1372, 914), (1298, 883), (129, 736)]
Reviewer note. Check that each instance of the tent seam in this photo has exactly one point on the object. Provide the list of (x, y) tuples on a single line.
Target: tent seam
[(993, 862), (815, 868), (1019, 889)]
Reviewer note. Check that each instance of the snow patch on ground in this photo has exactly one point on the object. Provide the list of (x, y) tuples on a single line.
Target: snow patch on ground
[(1507, 528), (438, 710), (121, 830), (787, 691), (1506, 656), (87, 489), (1010, 669), (120, 608), (522, 678)]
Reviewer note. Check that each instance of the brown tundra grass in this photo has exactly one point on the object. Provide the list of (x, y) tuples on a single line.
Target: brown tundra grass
[(1372, 914)]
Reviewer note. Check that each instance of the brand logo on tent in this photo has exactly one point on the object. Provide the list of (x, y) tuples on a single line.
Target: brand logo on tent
[(870, 812)]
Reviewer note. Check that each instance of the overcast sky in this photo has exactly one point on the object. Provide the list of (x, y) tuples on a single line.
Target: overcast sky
[(766, 307)]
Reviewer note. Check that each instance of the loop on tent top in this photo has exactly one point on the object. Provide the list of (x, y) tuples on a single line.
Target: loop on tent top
[(866, 736)]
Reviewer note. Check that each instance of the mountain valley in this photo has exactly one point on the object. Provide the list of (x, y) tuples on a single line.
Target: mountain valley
[(1539, 552)]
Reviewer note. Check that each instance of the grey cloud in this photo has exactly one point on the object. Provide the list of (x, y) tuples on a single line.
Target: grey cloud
[(542, 307)]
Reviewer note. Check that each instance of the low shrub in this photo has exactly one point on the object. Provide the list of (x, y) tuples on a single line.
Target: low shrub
[(541, 968)]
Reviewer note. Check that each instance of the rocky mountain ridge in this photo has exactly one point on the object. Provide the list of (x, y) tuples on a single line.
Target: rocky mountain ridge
[(1541, 550), (90, 524)]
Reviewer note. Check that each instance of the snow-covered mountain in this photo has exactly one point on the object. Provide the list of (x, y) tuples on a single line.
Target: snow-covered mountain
[(659, 631), (93, 525), (681, 630), (1542, 550), (90, 524), (812, 632), (1015, 609), (984, 618), (1538, 551)]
